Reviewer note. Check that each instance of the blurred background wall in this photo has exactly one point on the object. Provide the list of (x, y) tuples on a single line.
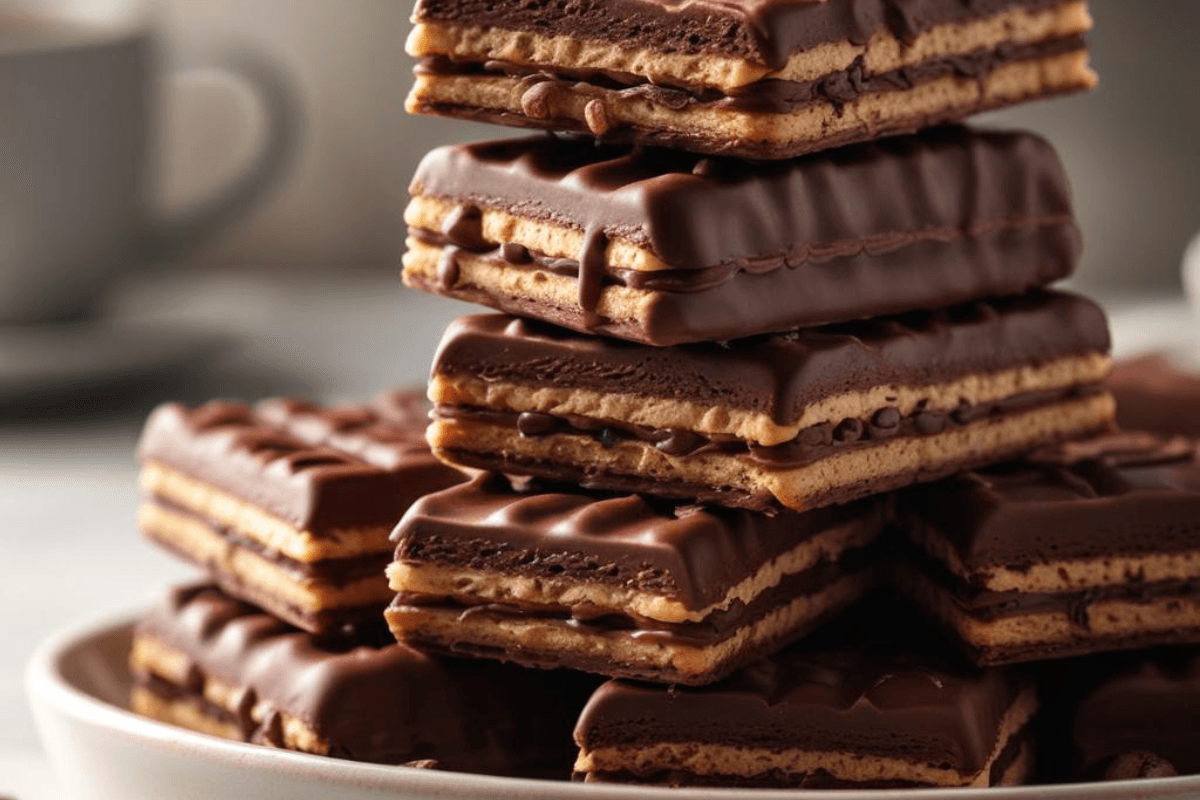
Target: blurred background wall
[(1132, 148)]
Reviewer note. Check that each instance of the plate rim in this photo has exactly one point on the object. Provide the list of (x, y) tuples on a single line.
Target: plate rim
[(45, 683)]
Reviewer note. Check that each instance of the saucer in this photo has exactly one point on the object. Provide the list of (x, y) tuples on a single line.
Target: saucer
[(39, 360), (78, 684)]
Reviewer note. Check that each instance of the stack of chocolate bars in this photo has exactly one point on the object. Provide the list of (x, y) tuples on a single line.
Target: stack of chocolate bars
[(741, 385)]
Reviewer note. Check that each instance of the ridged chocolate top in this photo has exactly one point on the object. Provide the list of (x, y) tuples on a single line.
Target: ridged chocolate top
[(885, 701), (763, 31), (1149, 703), (693, 553), (1120, 496), (319, 469), (695, 212), (388, 704), (779, 375)]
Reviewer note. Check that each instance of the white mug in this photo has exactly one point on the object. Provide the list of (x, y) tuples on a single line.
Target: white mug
[(79, 81)]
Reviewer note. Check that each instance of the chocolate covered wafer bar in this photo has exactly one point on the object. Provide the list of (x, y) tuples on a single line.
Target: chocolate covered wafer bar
[(288, 505), (665, 248), (854, 716), (797, 420), (1139, 717), (212, 664), (764, 79), (621, 585), (1155, 395), (1095, 548)]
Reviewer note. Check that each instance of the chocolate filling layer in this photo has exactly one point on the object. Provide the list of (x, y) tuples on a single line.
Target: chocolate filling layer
[(769, 96), (781, 375), (990, 606), (811, 445), (704, 278), (690, 553), (334, 572), (717, 627)]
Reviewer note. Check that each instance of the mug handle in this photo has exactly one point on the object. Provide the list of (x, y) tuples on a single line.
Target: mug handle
[(169, 238)]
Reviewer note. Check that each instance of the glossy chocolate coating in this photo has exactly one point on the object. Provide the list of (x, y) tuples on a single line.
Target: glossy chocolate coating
[(891, 226), (762, 31), (321, 470), (1021, 514), (1148, 703), (780, 375), (912, 705), (386, 704), (695, 212), (688, 552)]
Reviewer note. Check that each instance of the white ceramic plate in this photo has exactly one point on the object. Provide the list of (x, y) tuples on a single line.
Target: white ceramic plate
[(78, 685)]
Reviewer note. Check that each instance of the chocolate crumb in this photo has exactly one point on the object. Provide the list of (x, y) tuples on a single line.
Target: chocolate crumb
[(535, 102), (596, 115), (1139, 764)]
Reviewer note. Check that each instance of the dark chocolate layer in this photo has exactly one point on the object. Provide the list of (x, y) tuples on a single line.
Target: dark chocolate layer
[(782, 374), (1022, 514), (321, 470), (693, 305), (687, 552), (716, 627), (762, 31), (1148, 703), (387, 704), (989, 606), (810, 445), (330, 572), (714, 630), (917, 706), (768, 96), (695, 212)]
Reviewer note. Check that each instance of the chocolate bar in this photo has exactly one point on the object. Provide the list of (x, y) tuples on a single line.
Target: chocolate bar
[(1094, 548), (1154, 395), (1140, 718), (763, 79), (209, 663), (289, 506), (621, 585), (796, 420), (667, 248), (848, 716)]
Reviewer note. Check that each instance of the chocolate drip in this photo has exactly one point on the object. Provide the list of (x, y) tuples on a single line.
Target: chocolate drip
[(448, 269), (464, 227), (516, 254), (592, 263), (953, 180)]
